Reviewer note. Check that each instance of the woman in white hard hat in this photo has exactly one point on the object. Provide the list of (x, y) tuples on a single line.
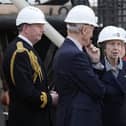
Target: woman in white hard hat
[(111, 41), (30, 99), (79, 88)]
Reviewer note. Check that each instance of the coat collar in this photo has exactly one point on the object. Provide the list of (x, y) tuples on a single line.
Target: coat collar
[(25, 39), (78, 45), (109, 67)]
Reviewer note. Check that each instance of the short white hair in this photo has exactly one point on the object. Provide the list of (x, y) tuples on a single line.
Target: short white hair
[(74, 27)]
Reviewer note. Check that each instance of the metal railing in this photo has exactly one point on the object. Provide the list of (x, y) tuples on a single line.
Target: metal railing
[(112, 12)]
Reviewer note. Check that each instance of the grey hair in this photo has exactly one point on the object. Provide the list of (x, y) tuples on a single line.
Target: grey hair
[(74, 27), (20, 27)]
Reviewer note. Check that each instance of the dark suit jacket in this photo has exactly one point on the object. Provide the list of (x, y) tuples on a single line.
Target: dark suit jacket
[(79, 88), (114, 102), (24, 108)]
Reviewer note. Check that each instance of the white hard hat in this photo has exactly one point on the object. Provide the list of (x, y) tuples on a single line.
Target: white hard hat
[(81, 14), (123, 32), (110, 33), (30, 15)]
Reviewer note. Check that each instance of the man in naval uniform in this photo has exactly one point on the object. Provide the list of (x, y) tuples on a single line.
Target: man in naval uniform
[(30, 99)]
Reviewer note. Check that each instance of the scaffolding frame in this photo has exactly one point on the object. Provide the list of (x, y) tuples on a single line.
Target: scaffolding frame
[(112, 12)]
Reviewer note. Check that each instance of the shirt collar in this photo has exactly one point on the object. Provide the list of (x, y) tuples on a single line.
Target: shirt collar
[(110, 67), (25, 39), (76, 43)]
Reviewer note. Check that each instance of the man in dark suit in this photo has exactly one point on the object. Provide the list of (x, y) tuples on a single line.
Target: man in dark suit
[(30, 99), (80, 90)]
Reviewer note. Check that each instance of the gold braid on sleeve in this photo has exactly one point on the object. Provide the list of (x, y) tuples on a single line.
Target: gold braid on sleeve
[(33, 60), (36, 67), (19, 49)]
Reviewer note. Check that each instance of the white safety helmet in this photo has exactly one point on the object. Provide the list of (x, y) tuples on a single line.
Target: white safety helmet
[(123, 32), (110, 33), (81, 14), (30, 15)]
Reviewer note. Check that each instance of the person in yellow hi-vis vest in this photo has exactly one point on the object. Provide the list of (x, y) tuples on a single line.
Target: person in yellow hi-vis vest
[(30, 99)]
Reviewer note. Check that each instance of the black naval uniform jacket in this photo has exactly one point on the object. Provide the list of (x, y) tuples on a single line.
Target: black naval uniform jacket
[(29, 96)]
